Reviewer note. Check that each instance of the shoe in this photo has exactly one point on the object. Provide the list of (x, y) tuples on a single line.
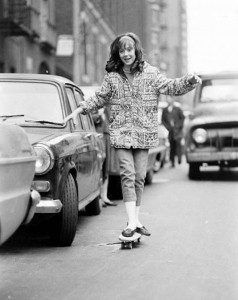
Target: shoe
[(142, 230), (110, 203), (128, 232), (172, 165)]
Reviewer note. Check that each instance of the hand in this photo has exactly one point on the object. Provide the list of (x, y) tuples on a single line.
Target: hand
[(74, 114), (194, 79)]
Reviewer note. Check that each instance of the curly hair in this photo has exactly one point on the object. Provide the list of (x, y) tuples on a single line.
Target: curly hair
[(114, 64)]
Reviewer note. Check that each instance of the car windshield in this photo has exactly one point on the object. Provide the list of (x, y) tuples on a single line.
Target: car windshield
[(219, 90), (31, 100)]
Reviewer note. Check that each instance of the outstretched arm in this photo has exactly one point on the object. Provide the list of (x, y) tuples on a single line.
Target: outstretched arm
[(74, 114), (101, 98), (177, 86), (194, 79)]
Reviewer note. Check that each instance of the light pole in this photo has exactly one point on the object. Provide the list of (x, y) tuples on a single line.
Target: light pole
[(76, 37)]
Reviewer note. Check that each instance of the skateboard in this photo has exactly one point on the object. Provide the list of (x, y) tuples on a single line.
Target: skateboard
[(129, 242)]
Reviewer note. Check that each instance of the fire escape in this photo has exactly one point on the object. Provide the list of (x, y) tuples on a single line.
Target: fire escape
[(20, 18)]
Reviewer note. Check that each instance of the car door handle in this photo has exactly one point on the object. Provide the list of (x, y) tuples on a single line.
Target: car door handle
[(88, 135)]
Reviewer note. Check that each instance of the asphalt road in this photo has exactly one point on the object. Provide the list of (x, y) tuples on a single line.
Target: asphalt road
[(192, 253)]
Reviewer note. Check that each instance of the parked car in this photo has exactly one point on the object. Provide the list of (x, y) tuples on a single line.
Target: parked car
[(156, 159), (69, 154), (212, 133), (17, 166)]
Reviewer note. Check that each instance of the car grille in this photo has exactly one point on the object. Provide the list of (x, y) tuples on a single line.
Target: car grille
[(222, 138)]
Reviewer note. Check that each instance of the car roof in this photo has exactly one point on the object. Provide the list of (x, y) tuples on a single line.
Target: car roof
[(219, 75), (29, 76)]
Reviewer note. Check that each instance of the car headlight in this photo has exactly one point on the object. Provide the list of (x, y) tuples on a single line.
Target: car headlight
[(199, 135), (44, 160)]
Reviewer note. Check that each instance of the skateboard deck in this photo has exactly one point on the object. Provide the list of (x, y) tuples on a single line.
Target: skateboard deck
[(129, 242)]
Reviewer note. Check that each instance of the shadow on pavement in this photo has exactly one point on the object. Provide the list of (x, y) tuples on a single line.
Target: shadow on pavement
[(33, 236)]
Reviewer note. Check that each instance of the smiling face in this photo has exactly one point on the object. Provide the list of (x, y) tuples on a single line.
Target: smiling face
[(127, 51)]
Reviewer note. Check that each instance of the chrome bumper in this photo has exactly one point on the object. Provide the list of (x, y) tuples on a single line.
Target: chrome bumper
[(49, 206), (34, 201), (211, 156)]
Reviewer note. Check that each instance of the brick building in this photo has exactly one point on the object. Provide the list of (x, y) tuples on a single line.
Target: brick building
[(160, 24), (27, 36), (173, 40), (29, 29), (95, 38), (100, 22)]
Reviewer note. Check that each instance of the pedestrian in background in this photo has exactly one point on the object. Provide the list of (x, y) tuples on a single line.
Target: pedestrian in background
[(173, 119), (131, 88), (101, 121)]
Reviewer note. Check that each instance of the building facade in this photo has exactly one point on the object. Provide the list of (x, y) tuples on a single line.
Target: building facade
[(27, 36), (95, 37), (161, 26), (174, 37), (29, 30)]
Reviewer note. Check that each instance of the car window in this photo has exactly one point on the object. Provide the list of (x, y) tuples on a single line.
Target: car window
[(34, 100), (84, 118), (73, 106), (219, 90)]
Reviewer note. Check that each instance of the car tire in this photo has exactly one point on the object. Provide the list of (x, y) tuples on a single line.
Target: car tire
[(65, 223), (94, 207), (194, 171), (149, 176), (157, 165), (162, 163)]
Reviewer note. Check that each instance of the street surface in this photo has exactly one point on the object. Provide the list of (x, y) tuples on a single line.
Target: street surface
[(192, 253)]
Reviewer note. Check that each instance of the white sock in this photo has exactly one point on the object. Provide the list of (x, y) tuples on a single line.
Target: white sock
[(138, 223), (104, 191), (131, 214)]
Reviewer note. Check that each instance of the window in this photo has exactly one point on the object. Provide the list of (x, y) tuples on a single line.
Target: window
[(35, 100), (219, 90), (73, 106), (84, 118)]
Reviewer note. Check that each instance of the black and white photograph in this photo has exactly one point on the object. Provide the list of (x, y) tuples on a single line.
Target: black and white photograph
[(118, 149)]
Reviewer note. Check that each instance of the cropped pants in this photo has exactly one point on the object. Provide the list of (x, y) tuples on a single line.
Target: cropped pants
[(133, 165)]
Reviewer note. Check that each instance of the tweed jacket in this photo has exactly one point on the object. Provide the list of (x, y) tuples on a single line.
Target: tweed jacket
[(133, 118)]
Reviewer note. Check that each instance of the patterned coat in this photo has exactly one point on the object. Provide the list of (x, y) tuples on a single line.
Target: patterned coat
[(134, 108)]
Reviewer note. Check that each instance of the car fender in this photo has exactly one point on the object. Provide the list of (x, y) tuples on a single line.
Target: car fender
[(69, 167)]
